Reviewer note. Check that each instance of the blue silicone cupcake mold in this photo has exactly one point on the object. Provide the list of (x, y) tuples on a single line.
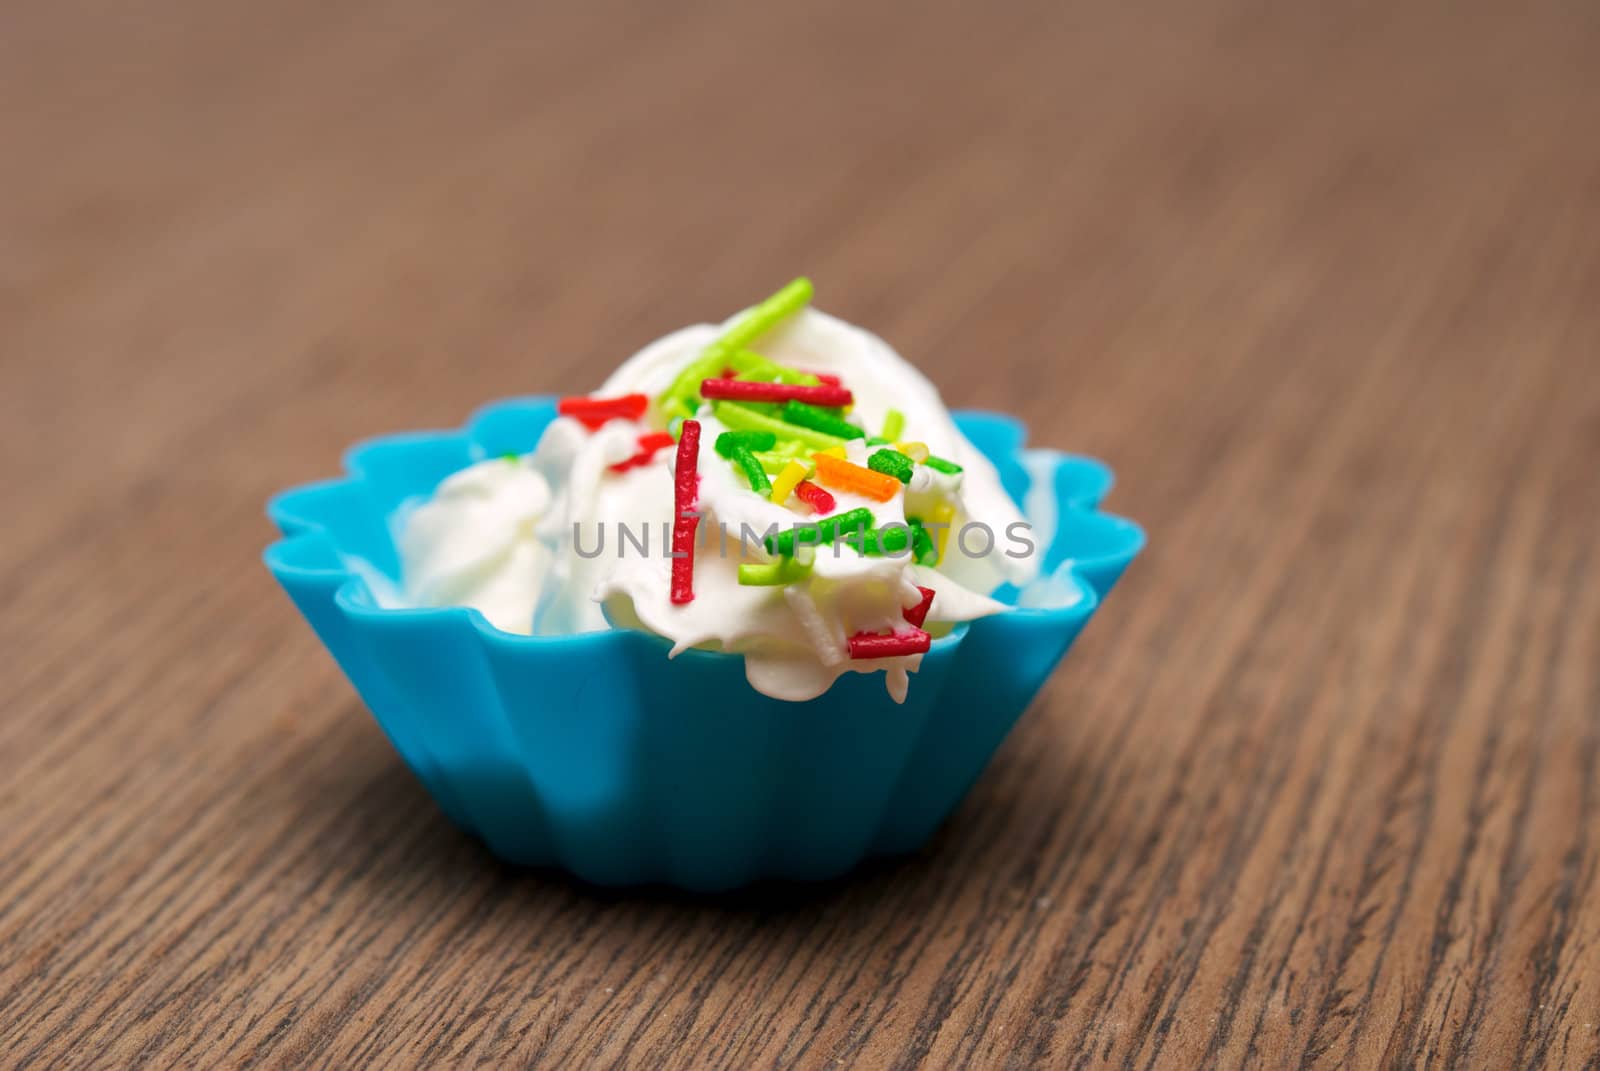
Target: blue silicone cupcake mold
[(597, 754)]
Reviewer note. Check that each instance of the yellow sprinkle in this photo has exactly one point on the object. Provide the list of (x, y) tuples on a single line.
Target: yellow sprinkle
[(784, 485), (833, 451), (917, 452), (943, 515)]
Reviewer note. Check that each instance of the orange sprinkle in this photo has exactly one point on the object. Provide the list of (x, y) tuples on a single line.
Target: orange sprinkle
[(844, 476)]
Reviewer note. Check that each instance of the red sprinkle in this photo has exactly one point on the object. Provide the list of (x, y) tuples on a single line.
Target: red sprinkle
[(593, 412), (648, 445), (739, 390), (888, 645), (814, 496), (919, 613), (685, 497), (829, 378)]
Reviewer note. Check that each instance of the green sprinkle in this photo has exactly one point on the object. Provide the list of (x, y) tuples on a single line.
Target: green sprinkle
[(894, 425), (682, 396), (731, 442), (939, 464), (676, 410), (767, 315), (742, 418), (889, 540), (752, 471), (752, 365), (771, 463), (513, 458), (819, 419), (774, 460), (892, 463), (816, 533), (785, 451), (877, 440), (921, 542), (767, 574), (892, 540), (794, 450)]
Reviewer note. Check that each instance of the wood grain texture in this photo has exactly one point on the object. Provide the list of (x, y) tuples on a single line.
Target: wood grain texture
[(1318, 788)]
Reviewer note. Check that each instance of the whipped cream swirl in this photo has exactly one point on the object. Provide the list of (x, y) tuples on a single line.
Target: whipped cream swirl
[(558, 542)]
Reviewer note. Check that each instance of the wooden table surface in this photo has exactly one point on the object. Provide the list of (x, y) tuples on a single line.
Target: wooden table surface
[(1319, 785)]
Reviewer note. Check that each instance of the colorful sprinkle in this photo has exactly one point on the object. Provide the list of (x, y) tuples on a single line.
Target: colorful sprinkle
[(740, 447), (921, 543), (814, 496), (793, 472), (681, 397), (919, 613), (818, 532), (939, 464), (593, 412), (845, 476), (889, 645), (741, 391), (769, 574), (731, 442), (888, 541), (894, 425), (649, 444), (752, 471), (892, 540), (752, 365), (891, 463), (793, 450), (829, 378), (767, 315), (685, 497), (676, 410), (743, 418), (809, 416), (915, 451)]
